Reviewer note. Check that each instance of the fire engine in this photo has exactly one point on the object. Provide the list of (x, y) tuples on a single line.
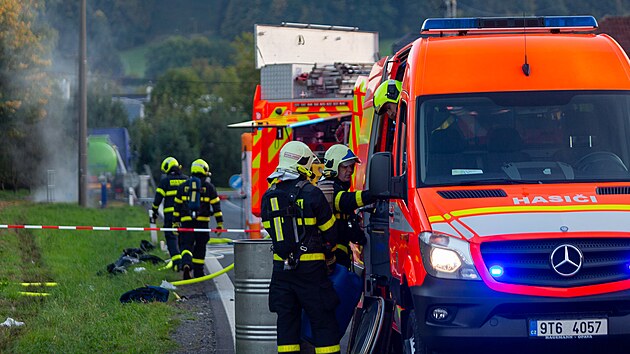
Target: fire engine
[(306, 93)]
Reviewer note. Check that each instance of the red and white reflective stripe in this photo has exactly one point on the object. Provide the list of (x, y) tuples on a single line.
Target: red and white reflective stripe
[(115, 228)]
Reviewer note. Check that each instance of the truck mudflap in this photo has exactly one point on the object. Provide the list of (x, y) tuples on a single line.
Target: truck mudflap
[(371, 327)]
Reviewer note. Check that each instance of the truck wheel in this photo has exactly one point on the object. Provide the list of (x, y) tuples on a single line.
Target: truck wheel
[(412, 343)]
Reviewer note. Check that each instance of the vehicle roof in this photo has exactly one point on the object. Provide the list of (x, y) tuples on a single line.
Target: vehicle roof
[(493, 62)]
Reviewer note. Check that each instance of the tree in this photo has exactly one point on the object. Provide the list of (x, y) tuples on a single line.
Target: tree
[(177, 52), (24, 89)]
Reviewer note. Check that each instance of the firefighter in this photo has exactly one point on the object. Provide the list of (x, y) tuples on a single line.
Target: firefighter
[(299, 280), (386, 98), (165, 193), (339, 163), (196, 201)]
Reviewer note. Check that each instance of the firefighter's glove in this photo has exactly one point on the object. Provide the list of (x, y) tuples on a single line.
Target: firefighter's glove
[(368, 197), (330, 264), (176, 225), (153, 217), (219, 227)]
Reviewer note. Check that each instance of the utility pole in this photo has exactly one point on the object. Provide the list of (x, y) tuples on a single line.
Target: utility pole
[(450, 8), (83, 109)]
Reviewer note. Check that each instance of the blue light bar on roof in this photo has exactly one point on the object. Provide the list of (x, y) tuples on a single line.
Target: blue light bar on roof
[(470, 23)]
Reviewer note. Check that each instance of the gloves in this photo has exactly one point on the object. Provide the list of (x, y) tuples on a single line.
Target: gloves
[(368, 197), (220, 227), (330, 264), (176, 224), (153, 216)]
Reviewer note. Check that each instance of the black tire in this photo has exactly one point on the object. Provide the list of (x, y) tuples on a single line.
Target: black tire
[(412, 344)]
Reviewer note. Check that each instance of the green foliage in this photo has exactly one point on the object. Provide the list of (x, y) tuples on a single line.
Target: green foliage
[(190, 109), (134, 62), (103, 112), (177, 52), (82, 313)]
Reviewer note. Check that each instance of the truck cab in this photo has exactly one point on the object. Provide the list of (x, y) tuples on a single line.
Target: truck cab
[(505, 211)]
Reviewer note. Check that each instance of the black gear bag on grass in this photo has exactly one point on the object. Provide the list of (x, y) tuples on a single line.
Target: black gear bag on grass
[(282, 212)]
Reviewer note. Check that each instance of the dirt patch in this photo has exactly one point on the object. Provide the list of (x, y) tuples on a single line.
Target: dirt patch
[(196, 332)]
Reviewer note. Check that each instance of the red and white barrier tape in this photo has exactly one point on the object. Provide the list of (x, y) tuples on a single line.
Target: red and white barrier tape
[(115, 228)]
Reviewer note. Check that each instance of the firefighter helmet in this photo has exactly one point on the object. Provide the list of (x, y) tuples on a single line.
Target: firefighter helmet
[(200, 167), (336, 155), (169, 164), (295, 156), (388, 91)]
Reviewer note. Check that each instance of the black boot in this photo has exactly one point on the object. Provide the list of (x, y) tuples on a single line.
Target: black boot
[(186, 269)]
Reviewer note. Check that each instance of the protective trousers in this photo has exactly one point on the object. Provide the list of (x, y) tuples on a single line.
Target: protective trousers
[(171, 239), (306, 288), (193, 246)]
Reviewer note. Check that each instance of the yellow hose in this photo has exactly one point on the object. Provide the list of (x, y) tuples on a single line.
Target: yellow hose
[(214, 241), (38, 284), (205, 277), (28, 293)]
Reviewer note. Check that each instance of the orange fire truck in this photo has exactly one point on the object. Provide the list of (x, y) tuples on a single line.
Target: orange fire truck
[(308, 74)]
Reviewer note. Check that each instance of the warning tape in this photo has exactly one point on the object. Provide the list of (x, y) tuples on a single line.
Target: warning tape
[(115, 228)]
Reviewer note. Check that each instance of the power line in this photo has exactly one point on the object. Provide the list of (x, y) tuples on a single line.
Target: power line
[(147, 80)]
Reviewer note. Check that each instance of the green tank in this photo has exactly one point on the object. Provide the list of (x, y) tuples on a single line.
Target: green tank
[(102, 157)]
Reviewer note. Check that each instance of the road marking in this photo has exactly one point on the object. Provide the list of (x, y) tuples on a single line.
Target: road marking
[(225, 289)]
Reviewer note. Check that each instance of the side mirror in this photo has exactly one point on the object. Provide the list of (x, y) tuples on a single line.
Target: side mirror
[(380, 175)]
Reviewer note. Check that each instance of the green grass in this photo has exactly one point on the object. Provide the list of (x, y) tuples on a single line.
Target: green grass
[(83, 313), (134, 61)]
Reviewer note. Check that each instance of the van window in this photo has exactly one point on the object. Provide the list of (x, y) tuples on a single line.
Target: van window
[(524, 137), (401, 140)]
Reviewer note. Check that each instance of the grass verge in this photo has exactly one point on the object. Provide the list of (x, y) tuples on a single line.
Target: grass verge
[(82, 313)]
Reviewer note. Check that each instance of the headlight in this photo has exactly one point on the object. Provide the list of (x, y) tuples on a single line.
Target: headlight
[(447, 257)]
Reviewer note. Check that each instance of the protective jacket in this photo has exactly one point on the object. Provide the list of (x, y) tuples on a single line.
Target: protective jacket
[(317, 220), (166, 191), (210, 203), (344, 205)]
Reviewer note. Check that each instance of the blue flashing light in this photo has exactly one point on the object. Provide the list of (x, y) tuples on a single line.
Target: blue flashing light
[(496, 271), (470, 23), (570, 21), (449, 23)]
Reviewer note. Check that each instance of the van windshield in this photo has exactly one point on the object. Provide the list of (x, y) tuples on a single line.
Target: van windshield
[(524, 137)]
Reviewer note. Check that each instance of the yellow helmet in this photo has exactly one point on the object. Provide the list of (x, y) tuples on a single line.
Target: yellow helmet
[(336, 155), (200, 167), (168, 164), (388, 91), (295, 156)]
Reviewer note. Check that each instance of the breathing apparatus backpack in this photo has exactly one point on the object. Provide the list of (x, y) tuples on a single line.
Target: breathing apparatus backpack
[(282, 212), (194, 196)]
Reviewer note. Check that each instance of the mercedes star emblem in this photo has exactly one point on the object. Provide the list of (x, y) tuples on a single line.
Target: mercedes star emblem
[(566, 260)]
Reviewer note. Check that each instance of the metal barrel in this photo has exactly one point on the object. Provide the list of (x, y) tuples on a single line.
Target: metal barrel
[(255, 324)]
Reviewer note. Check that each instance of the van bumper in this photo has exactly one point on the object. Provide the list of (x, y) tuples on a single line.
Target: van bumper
[(479, 317)]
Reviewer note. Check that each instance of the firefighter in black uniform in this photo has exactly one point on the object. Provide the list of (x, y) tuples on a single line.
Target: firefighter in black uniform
[(339, 162), (299, 281), (165, 192), (199, 189)]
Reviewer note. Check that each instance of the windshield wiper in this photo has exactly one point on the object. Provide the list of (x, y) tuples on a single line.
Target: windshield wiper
[(497, 181)]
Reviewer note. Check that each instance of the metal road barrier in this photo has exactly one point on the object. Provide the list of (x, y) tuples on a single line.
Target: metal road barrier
[(255, 324)]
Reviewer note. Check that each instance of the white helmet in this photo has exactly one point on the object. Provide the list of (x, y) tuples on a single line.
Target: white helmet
[(336, 155), (295, 158)]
